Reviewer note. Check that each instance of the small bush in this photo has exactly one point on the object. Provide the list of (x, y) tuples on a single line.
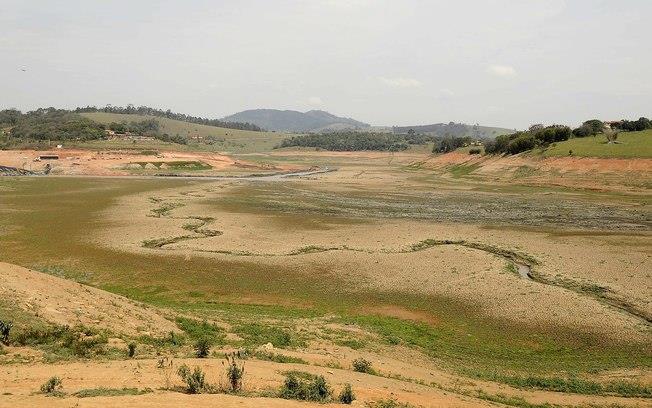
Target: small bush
[(389, 403), (203, 347), (234, 373), (131, 349), (5, 328), (362, 366), (306, 387), (52, 386), (195, 380), (346, 396), (475, 151)]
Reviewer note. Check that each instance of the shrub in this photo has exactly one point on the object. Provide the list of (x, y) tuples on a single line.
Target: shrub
[(234, 373), (5, 328), (362, 366), (346, 396), (203, 347), (131, 349), (306, 387), (195, 380), (475, 151), (52, 386)]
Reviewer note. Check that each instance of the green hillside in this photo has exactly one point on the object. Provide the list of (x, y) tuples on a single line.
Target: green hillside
[(630, 145), (232, 140)]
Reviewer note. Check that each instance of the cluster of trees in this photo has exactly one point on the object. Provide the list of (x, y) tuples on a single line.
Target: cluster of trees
[(450, 143), (536, 135), (145, 127), (145, 110), (633, 125), (49, 124), (349, 141)]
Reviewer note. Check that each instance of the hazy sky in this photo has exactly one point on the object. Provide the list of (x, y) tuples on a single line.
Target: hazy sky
[(496, 62)]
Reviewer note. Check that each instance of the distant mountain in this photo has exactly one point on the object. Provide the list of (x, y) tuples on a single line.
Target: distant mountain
[(294, 121), (455, 130)]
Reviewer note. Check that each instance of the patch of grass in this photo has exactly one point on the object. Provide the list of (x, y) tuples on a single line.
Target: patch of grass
[(277, 358), (389, 403), (573, 385), (461, 170), (354, 344), (110, 392), (511, 401), (196, 329), (257, 334), (630, 145)]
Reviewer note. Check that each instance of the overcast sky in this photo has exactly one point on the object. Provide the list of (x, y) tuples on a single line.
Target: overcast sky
[(506, 63)]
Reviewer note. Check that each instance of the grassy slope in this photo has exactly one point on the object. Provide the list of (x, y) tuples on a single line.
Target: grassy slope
[(632, 145), (241, 141)]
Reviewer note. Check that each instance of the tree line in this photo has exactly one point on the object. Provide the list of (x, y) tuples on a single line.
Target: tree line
[(347, 141), (146, 110), (146, 127), (542, 136), (49, 124), (53, 124)]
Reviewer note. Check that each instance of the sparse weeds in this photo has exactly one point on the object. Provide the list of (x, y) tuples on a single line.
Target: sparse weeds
[(195, 380), (110, 392), (234, 373), (52, 387)]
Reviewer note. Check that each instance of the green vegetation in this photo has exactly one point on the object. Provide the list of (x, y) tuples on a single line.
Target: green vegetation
[(630, 145), (349, 141), (199, 137), (256, 334), (299, 385), (196, 329), (63, 341), (234, 373), (518, 142), (203, 347), (48, 221), (195, 380), (277, 358), (147, 111), (362, 366), (34, 128), (52, 386), (573, 385), (110, 392), (389, 403), (346, 395)]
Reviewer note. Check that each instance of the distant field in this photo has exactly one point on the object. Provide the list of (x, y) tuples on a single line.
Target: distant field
[(232, 140), (631, 145)]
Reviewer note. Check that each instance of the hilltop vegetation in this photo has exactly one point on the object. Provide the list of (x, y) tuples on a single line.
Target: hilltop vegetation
[(159, 113), (46, 124), (198, 136), (539, 136), (452, 130), (630, 145), (294, 121)]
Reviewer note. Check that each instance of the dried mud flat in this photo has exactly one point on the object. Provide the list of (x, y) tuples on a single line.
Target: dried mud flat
[(375, 248)]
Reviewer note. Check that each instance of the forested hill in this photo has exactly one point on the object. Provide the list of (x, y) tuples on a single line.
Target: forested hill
[(453, 129), (147, 111), (294, 121)]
